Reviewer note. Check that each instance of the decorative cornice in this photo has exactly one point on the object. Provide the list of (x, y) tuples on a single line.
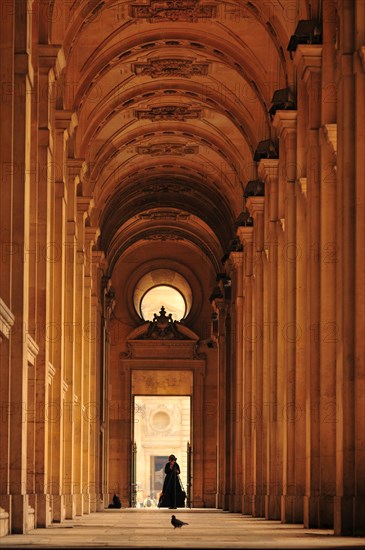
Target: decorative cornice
[(362, 56), (176, 67), (303, 185), (51, 372), (167, 188), (32, 350), (174, 10), (169, 112), (163, 237), (7, 319), (330, 133)]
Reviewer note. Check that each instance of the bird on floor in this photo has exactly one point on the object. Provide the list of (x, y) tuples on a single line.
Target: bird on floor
[(177, 522)]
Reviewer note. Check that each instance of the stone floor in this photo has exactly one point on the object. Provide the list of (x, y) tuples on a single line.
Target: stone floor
[(151, 528)]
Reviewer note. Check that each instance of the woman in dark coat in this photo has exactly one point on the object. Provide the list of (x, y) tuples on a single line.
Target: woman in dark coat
[(172, 492)]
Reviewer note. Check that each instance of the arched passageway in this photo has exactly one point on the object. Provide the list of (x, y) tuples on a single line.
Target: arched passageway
[(211, 147)]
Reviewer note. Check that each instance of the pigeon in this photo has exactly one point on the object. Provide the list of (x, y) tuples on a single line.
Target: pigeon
[(177, 522)]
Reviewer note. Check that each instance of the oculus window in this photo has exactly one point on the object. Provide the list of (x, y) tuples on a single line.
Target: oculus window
[(163, 295)]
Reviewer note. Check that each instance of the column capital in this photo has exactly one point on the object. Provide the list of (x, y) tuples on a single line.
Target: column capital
[(235, 259), (308, 59), (85, 205), (47, 55), (245, 234), (268, 169), (91, 234), (63, 119), (285, 122), (255, 205)]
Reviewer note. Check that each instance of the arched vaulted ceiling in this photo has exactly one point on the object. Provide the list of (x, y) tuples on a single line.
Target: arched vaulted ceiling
[(171, 98)]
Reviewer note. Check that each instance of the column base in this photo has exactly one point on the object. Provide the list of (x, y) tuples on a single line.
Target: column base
[(4, 523), (291, 509), (349, 516), (19, 514), (70, 506), (258, 506), (58, 508), (247, 502), (44, 510), (237, 504), (79, 504), (318, 512), (272, 506)]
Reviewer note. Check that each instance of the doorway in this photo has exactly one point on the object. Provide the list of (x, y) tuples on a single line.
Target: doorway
[(161, 426)]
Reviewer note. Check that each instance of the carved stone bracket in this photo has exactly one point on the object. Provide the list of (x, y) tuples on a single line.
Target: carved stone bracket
[(330, 133), (7, 319)]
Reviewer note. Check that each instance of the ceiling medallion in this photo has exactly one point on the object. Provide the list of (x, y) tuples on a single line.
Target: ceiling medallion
[(174, 10), (156, 68), (168, 112), (158, 149)]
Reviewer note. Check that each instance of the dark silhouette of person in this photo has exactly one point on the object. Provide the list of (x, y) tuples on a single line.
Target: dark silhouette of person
[(172, 491), (116, 502)]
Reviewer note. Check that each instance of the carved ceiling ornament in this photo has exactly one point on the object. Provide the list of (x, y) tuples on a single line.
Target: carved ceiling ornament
[(164, 215), (158, 149), (168, 112), (174, 10), (186, 68), (166, 188), (163, 237)]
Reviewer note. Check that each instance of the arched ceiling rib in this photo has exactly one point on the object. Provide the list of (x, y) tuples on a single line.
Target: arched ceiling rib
[(171, 100)]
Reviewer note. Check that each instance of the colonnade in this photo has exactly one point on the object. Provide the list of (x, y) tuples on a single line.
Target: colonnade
[(296, 369)]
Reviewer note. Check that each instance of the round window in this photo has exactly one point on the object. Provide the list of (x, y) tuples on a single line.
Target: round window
[(168, 297)]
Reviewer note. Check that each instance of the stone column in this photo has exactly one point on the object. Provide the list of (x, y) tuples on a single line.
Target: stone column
[(89, 409), (59, 220), (219, 307), (46, 332), (308, 61), (20, 188), (246, 237), (293, 415), (73, 169), (349, 502), (236, 273), (255, 206), (83, 205)]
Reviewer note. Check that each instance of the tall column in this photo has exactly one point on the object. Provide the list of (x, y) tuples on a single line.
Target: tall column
[(23, 76), (308, 60), (73, 169), (236, 273), (89, 410), (268, 171), (293, 413), (255, 206), (83, 210), (219, 306), (246, 237), (349, 505), (45, 332), (58, 345)]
